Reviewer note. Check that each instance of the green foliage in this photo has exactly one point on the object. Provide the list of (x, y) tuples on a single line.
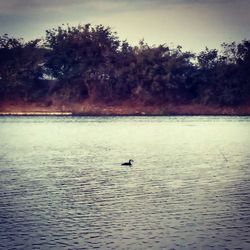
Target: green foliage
[(19, 67), (79, 56), (75, 63)]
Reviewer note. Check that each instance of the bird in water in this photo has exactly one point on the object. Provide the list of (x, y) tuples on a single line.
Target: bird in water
[(129, 163)]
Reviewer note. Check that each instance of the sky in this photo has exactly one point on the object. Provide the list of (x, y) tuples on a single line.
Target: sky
[(193, 24)]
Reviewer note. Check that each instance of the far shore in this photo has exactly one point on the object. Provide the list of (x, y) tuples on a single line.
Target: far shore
[(122, 109)]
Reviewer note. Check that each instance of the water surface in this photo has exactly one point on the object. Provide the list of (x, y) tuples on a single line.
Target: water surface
[(62, 186)]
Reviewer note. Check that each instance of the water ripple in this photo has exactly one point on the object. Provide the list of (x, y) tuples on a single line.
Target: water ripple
[(62, 186)]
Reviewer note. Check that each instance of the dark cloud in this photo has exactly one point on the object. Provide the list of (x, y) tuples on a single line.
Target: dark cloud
[(20, 5), (16, 6), (192, 22)]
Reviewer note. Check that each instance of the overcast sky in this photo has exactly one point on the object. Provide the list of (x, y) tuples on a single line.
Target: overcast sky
[(193, 24)]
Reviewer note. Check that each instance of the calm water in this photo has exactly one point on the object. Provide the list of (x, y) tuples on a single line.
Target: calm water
[(62, 186)]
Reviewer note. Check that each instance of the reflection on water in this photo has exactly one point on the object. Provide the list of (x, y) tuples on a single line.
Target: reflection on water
[(62, 186)]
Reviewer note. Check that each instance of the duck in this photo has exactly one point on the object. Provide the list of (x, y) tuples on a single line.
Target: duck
[(129, 163)]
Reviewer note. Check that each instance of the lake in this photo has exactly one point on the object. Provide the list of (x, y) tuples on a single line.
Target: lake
[(62, 185)]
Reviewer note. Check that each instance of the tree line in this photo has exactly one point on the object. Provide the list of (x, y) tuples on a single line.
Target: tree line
[(90, 62)]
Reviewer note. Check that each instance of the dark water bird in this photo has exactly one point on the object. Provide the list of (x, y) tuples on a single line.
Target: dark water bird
[(129, 163)]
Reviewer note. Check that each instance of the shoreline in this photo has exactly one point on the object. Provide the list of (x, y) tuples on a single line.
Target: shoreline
[(63, 114), (91, 115), (121, 109), (36, 114)]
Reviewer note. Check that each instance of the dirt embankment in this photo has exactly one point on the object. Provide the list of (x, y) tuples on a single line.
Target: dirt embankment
[(125, 108)]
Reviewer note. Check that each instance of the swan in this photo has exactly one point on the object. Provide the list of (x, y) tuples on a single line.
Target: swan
[(129, 163)]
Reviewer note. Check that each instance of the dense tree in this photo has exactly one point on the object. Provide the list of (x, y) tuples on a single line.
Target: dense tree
[(78, 57), (20, 68), (86, 62)]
